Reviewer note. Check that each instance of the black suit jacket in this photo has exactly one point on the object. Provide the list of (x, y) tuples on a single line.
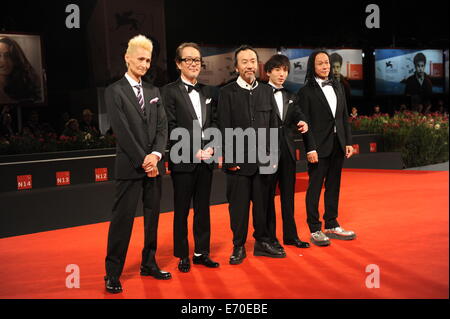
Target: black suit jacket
[(413, 87), (287, 122), (237, 108), (321, 121), (137, 134), (180, 113)]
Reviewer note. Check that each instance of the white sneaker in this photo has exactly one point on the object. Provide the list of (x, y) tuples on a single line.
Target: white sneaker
[(340, 233), (320, 239)]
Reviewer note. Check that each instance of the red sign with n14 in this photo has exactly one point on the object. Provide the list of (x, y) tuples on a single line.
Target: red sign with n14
[(24, 182)]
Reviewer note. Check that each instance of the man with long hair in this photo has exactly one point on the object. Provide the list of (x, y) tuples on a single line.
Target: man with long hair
[(329, 141)]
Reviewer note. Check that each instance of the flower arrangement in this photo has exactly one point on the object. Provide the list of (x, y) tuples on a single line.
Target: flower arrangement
[(53, 143), (421, 139)]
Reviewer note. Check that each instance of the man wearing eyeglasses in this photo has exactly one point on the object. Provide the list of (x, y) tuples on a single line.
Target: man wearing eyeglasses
[(190, 105)]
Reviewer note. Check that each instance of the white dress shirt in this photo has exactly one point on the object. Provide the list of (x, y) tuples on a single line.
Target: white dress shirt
[(278, 98), (133, 83), (195, 99), (331, 97)]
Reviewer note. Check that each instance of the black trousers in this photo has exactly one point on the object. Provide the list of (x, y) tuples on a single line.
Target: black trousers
[(123, 213), (285, 178), (328, 170), (194, 185), (240, 191)]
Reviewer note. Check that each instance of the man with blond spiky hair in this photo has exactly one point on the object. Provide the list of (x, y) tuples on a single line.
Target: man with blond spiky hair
[(139, 122)]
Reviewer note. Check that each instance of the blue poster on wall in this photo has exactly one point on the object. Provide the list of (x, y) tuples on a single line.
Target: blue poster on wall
[(409, 72)]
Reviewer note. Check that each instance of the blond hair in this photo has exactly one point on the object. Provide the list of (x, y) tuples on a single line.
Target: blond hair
[(139, 41)]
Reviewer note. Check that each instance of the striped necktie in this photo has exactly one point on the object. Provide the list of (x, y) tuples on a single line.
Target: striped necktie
[(140, 97)]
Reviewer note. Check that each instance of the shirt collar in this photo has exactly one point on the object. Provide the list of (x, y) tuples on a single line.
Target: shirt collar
[(241, 82), (319, 80), (186, 82), (132, 82), (274, 86)]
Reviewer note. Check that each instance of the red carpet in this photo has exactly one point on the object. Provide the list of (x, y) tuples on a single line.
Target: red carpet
[(401, 219)]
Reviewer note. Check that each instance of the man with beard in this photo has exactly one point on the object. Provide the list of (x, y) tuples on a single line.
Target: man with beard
[(247, 104), (323, 102)]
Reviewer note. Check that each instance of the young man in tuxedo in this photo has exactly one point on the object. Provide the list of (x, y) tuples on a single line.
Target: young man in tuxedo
[(189, 105), (247, 105), (139, 122), (290, 119), (329, 141)]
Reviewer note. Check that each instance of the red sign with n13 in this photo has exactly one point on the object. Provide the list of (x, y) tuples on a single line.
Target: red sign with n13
[(62, 178)]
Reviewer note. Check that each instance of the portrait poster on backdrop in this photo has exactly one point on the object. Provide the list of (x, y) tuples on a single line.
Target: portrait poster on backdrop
[(218, 64), (409, 72), (346, 64), (22, 76)]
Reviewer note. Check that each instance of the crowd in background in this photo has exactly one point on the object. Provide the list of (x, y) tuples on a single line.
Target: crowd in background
[(425, 108), (82, 126)]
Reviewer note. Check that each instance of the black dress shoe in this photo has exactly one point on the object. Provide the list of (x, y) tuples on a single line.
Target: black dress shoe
[(297, 243), (184, 265), (238, 255), (265, 249), (155, 272), (277, 245), (205, 260), (112, 284)]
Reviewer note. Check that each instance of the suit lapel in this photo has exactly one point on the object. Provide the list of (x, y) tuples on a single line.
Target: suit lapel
[(129, 93), (204, 109), (285, 104), (338, 99), (147, 107)]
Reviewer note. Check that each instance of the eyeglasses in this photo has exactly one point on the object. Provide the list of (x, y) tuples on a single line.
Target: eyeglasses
[(189, 61)]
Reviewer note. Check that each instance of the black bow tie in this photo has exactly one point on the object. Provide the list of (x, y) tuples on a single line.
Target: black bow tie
[(275, 90), (327, 82), (192, 87)]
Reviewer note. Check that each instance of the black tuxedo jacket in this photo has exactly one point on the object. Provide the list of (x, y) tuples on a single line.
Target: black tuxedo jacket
[(320, 119), (180, 113), (240, 108), (287, 122), (137, 134)]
